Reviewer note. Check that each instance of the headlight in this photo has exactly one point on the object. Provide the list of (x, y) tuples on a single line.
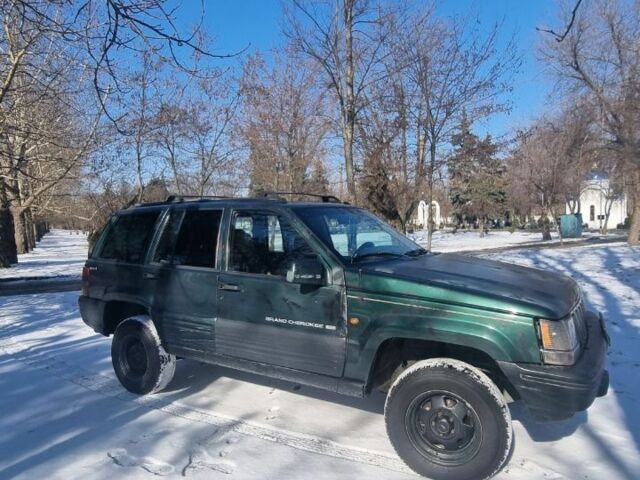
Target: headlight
[(559, 341)]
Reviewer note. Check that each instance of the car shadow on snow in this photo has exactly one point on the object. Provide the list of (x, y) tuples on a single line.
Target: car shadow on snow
[(546, 431), (194, 376)]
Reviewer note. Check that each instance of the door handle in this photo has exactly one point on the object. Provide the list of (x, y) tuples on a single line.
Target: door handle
[(149, 275), (230, 287)]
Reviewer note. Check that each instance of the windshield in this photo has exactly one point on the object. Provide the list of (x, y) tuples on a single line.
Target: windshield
[(355, 234)]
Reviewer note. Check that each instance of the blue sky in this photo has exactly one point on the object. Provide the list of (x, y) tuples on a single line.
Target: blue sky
[(256, 24)]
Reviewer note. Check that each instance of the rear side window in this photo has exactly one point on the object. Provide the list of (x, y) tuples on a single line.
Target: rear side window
[(129, 237), (197, 240)]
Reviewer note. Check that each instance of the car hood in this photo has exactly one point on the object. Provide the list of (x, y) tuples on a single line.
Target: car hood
[(551, 294)]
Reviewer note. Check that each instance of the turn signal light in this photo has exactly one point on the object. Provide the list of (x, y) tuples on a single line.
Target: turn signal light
[(547, 336)]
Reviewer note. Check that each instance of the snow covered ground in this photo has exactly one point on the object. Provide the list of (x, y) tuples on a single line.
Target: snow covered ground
[(64, 415), (446, 241), (60, 253)]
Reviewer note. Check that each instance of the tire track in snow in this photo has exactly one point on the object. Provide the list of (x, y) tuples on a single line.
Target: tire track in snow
[(110, 387)]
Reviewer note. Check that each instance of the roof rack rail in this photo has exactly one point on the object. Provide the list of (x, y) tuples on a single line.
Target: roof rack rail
[(182, 198), (144, 204), (325, 198)]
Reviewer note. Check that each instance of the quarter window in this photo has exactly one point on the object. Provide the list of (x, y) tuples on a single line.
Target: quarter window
[(129, 237)]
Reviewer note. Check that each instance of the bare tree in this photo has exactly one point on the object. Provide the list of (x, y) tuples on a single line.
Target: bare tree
[(138, 125), (389, 179), (457, 69), (599, 57), (546, 159), (46, 122), (171, 135), (345, 38), (42, 45), (284, 123)]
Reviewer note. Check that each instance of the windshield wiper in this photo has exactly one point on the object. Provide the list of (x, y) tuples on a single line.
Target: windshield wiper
[(417, 252), (375, 254)]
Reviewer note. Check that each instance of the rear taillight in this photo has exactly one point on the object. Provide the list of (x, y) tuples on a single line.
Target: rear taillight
[(86, 275)]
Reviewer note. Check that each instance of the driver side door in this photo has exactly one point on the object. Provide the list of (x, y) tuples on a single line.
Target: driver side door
[(265, 318)]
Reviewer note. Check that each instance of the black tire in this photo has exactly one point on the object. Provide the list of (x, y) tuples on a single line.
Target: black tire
[(140, 361), (447, 420)]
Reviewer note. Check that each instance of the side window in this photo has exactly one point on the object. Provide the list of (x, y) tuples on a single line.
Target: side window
[(164, 249), (129, 237), (265, 244), (197, 241)]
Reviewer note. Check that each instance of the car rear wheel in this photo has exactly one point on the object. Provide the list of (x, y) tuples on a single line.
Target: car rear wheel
[(140, 361), (447, 420)]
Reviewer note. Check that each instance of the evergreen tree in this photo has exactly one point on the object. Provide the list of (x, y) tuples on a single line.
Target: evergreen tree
[(476, 178), (317, 181)]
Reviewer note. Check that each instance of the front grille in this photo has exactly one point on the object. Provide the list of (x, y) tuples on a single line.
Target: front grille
[(580, 323)]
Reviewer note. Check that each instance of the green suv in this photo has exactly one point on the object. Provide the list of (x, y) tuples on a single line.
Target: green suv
[(326, 294)]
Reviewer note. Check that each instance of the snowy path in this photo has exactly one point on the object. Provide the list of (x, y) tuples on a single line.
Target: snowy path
[(60, 254), (472, 241), (65, 415)]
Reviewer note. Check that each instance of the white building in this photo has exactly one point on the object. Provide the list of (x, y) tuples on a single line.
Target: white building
[(420, 217), (593, 205)]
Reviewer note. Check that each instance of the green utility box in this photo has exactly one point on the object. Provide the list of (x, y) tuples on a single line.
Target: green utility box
[(571, 225)]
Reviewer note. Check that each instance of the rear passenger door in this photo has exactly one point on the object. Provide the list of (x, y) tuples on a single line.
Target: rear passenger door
[(184, 265)]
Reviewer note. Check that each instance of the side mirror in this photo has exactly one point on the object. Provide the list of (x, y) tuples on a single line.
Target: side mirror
[(306, 271)]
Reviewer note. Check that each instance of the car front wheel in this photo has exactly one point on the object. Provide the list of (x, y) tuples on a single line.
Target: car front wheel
[(140, 361), (447, 420)]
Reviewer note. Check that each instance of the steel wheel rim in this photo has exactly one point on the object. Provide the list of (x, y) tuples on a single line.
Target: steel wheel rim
[(134, 357), (443, 427)]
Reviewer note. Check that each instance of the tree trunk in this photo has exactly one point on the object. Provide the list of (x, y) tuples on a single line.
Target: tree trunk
[(431, 173), (634, 228), (34, 231), (19, 229), (554, 214), (349, 115), (483, 227), (546, 227), (39, 227), (607, 213), (28, 223), (348, 163), (8, 253)]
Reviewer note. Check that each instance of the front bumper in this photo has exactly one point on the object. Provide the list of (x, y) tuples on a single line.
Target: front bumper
[(556, 392)]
